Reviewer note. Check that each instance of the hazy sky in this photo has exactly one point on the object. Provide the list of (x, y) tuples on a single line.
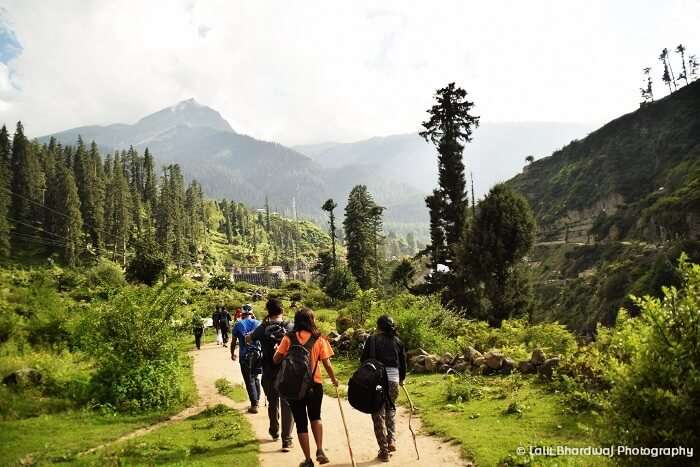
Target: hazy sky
[(309, 71)]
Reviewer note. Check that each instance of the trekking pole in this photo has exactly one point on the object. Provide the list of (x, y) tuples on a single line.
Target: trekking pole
[(413, 433), (345, 425)]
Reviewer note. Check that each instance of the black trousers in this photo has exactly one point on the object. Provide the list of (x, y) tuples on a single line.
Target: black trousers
[(198, 337), (275, 405)]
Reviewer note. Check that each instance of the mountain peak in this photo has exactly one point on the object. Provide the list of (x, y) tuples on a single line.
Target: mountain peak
[(188, 113)]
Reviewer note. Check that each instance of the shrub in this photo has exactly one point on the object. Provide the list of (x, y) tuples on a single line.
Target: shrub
[(244, 287), (106, 274), (315, 298), (220, 282), (654, 401), (294, 285), (133, 341), (340, 284), (147, 266)]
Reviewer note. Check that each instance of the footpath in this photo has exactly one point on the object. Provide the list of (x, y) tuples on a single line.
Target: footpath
[(213, 362)]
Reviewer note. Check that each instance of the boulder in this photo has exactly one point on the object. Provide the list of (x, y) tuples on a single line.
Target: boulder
[(494, 359), (431, 362), (447, 358), (538, 357), (444, 368), (479, 361), (24, 378), (547, 368), (508, 366), (461, 367), (472, 354), (526, 367)]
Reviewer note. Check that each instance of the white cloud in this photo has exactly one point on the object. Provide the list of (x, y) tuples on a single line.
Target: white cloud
[(332, 70)]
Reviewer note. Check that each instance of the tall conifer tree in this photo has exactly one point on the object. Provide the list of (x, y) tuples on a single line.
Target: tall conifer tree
[(5, 199), (27, 188)]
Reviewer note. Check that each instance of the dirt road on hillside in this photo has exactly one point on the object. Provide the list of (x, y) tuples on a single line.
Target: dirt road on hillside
[(213, 362)]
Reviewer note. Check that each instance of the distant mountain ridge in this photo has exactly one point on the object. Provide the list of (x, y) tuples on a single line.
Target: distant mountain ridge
[(398, 169), (496, 153)]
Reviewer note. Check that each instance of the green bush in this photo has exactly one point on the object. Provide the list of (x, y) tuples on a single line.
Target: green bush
[(106, 274), (340, 284), (147, 265), (220, 282), (315, 298), (655, 400), (133, 340), (294, 285)]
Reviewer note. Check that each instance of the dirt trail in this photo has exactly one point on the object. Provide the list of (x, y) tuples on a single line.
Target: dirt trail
[(213, 362)]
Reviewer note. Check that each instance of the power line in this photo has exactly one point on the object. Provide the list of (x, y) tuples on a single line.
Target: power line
[(35, 202), (42, 230)]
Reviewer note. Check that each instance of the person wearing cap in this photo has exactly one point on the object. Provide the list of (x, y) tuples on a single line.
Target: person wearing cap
[(386, 347), (251, 365)]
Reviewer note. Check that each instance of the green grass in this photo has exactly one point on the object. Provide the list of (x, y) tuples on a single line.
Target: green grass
[(480, 424), (49, 438), (235, 392), (485, 430), (218, 436), (47, 429)]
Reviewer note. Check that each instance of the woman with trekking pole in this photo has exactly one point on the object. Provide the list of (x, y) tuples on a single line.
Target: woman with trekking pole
[(299, 380)]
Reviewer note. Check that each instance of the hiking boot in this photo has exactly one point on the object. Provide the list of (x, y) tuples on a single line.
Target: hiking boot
[(287, 446), (392, 447), (253, 409), (307, 463), (383, 456), (321, 457)]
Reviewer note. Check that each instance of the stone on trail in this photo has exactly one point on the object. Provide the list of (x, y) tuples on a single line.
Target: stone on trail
[(431, 362)]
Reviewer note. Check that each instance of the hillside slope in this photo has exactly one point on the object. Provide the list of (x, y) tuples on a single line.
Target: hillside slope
[(636, 177)]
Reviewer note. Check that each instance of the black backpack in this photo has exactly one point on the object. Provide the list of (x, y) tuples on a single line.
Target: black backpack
[(295, 377), (368, 386), (253, 358), (275, 332)]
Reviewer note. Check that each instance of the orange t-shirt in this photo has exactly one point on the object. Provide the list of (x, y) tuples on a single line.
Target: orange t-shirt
[(321, 350)]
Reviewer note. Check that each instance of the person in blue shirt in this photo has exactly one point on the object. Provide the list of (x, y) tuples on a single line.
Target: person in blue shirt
[(250, 355)]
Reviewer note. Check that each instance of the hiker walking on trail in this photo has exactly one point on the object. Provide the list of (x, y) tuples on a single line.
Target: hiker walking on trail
[(385, 347), (270, 334), (300, 382), (215, 324), (224, 325), (197, 329), (249, 355)]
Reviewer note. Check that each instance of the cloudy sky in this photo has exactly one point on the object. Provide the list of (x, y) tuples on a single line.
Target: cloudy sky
[(301, 72)]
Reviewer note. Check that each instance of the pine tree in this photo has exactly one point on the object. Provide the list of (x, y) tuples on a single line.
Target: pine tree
[(449, 128), (329, 206), (89, 180), (376, 226), (647, 92), (684, 74), (267, 214), (27, 189), (69, 226), (150, 188), (5, 199), (495, 242), (119, 210), (666, 76), (359, 235)]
